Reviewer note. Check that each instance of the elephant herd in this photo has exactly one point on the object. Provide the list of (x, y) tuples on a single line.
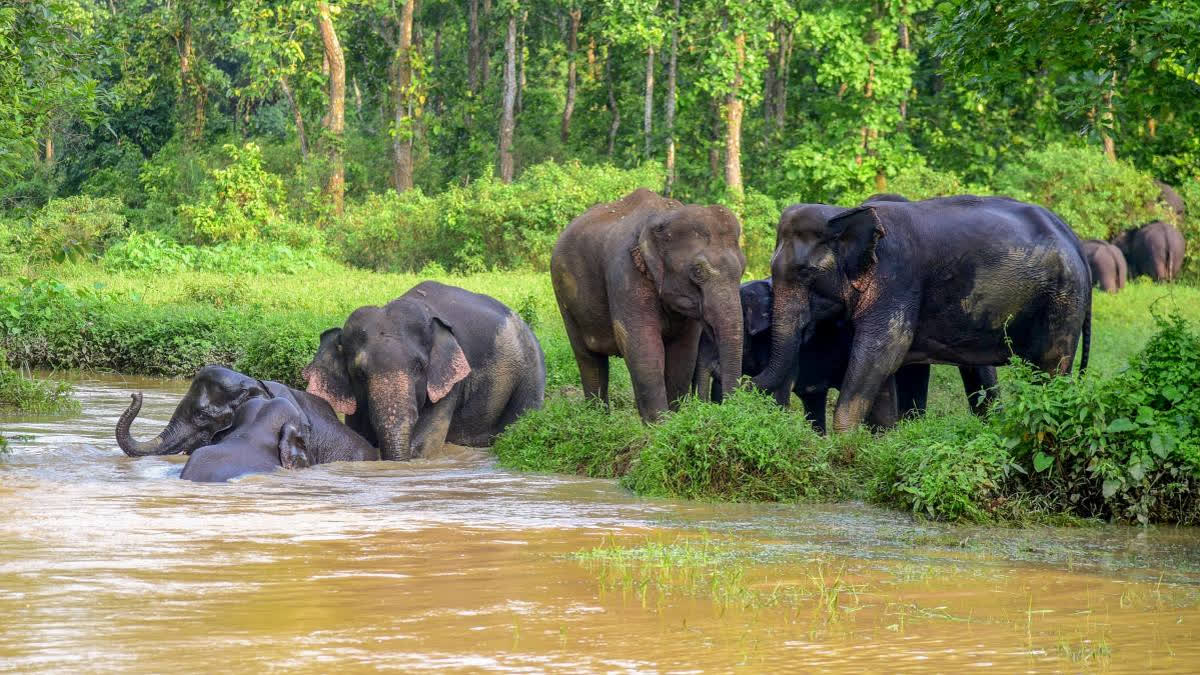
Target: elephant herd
[(1155, 250), (862, 299)]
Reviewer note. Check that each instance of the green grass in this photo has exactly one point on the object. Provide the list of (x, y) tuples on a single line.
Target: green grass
[(21, 392)]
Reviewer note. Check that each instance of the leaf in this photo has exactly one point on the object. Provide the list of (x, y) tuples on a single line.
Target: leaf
[(1137, 471), (1110, 487), (1042, 461), (1157, 446), (1120, 424)]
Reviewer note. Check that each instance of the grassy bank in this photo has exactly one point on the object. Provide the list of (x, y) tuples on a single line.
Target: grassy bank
[(945, 466)]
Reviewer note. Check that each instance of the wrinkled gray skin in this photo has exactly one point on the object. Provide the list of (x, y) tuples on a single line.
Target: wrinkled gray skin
[(1171, 198), (953, 280), (1109, 270), (207, 410), (1155, 250), (266, 434), (438, 364), (641, 278)]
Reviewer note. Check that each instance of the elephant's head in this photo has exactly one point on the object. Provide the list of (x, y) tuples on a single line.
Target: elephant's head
[(389, 362), (205, 411), (756, 320), (694, 262), (293, 448), (824, 263)]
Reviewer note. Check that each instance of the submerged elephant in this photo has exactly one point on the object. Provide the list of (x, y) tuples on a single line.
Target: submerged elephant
[(438, 364), (265, 435), (207, 411), (641, 278), (1109, 269), (823, 359), (1155, 249), (950, 280)]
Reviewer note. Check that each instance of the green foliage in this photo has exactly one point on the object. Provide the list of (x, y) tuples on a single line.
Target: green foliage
[(743, 449), (240, 202), (1189, 191), (1096, 197), (571, 436), (23, 393), (72, 228), (150, 252)]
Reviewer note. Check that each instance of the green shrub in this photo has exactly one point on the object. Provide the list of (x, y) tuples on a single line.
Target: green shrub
[(73, 228), (744, 449), (387, 232), (1190, 192), (26, 394), (151, 252), (242, 202), (569, 435), (1096, 197)]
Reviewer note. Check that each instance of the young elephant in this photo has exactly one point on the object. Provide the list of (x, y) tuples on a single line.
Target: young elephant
[(1109, 270), (436, 364), (959, 280), (1155, 249), (823, 359), (207, 411), (266, 434), (641, 278)]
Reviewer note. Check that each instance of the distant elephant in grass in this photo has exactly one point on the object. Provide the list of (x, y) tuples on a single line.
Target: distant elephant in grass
[(1109, 269), (206, 414), (641, 278), (265, 435), (438, 364), (1155, 249), (823, 360), (1171, 198)]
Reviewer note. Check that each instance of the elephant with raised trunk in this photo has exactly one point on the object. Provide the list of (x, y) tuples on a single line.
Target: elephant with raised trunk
[(206, 414), (265, 435), (1109, 269), (951, 280), (438, 364), (641, 278)]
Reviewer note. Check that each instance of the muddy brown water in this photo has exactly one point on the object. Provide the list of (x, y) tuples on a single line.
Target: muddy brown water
[(449, 563)]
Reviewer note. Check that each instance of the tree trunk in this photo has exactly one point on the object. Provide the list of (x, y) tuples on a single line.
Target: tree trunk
[(714, 140), (572, 46), (733, 122), (357, 98), (521, 63), (612, 103), (648, 113), (864, 145), (192, 92), (507, 117), (483, 50), (402, 96), (671, 63), (48, 155), (473, 46), (1107, 119), (287, 92), (335, 118), (783, 64)]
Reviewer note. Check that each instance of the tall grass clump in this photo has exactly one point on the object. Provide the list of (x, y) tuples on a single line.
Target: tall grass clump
[(20, 392), (745, 449), (571, 436)]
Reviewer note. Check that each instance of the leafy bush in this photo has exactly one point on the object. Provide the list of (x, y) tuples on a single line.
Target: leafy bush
[(1190, 192), (743, 449), (388, 232), (151, 252), (27, 394), (73, 228), (1096, 197), (569, 435)]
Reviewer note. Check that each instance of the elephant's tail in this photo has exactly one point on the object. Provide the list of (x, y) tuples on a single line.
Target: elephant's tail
[(1087, 336)]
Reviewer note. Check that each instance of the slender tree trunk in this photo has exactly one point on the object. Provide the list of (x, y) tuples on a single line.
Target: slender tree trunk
[(473, 46), (484, 71), (715, 139), (357, 98), (436, 102), (507, 117), (1152, 127), (521, 63), (572, 47), (1107, 119), (648, 113), (335, 118), (733, 122), (48, 153), (192, 92), (402, 95), (905, 45), (291, 98), (782, 64), (671, 64), (615, 123)]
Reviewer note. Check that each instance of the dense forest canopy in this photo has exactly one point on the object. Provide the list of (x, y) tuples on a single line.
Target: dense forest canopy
[(152, 102)]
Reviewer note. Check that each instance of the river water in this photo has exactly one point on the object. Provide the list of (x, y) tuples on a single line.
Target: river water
[(109, 563)]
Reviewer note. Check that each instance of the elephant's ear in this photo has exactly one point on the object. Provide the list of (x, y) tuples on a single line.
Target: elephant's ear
[(327, 376), (646, 255), (293, 448), (857, 231), (448, 364)]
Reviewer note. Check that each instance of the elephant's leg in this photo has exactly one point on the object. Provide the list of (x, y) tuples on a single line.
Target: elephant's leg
[(680, 353), (702, 382), (881, 341), (642, 345), (433, 425), (593, 367), (980, 385), (814, 408), (884, 413), (912, 389)]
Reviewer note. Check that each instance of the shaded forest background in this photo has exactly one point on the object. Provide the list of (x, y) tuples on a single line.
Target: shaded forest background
[(466, 134)]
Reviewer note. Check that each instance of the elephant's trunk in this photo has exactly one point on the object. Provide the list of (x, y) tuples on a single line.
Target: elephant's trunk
[(723, 313), (130, 445), (791, 313)]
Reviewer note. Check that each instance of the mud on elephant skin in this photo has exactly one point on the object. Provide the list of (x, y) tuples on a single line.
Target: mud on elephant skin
[(929, 282), (266, 434), (206, 413), (822, 363), (1107, 262), (641, 278), (438, 364), (1155, 250)]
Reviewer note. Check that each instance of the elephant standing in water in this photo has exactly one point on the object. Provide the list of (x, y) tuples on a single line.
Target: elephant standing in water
[(949, 280), (641, 278), (1109, 269), (206, 414), (265, 434), (1155, 249), (436, 364)]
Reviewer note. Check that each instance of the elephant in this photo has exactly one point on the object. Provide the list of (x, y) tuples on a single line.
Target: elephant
[(1109, 270), (1155, 249), (266, 433), (438, 364), (823, 359), (886, 197), (1171, 198), (641, 278), (948, 280), (206, 415)]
